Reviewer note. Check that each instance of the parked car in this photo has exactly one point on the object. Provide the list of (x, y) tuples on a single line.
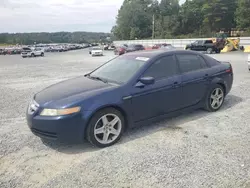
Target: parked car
[(161, 45), (96, 51), (204, 45), (3, 52), (168, 47), (32, 52), (120, 50), (134, 47), (129, 90)]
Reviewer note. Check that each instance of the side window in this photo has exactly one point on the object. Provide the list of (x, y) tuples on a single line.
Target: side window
[(209, 42), (189, 62), (200, 42), (162, 68), (202, 61)]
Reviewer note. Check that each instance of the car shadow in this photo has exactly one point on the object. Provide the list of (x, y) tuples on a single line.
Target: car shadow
[(175, 123), (171, 124), (69, 148)]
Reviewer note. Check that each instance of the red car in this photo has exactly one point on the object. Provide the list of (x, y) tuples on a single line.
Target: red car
[(120, 50)]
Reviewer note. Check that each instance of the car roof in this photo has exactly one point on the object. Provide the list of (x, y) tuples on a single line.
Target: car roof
[(154, 53)]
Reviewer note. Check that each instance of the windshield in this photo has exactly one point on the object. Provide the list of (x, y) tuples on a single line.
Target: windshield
[(119, 70), (26, 49)]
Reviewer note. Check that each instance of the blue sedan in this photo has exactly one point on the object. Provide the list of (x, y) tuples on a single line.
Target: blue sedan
[(129, 90)]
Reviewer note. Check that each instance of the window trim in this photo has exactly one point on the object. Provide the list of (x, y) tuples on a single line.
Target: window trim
[(163, 78), (181, 72)]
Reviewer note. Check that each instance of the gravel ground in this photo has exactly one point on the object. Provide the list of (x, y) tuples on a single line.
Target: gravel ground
[(195, 150)]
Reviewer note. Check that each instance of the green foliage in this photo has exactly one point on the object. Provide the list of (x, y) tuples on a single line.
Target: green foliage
[(196, 18), (243, 14), (58, 37)]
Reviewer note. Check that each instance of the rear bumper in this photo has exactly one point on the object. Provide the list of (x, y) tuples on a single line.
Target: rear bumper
[(97, 54), (25, 55)]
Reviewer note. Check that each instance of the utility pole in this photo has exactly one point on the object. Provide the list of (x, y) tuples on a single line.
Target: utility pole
[(153, 25)]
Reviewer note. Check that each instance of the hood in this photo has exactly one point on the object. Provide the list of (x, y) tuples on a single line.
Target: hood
[(69, 89)]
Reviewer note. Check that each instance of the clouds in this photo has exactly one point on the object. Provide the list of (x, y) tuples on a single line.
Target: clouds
[(58, 15)]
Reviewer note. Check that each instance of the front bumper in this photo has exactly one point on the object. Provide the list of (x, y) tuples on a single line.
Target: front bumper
[(68, 129), (26, 55)]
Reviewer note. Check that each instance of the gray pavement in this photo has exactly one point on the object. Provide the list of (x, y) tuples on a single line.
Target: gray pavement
[(195, 150)]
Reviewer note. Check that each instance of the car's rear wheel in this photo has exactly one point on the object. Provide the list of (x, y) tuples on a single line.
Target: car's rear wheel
[(215, 98), (218, 51), (105, 127), (209, 50), (42, 54), (188, 48), (32, 55)]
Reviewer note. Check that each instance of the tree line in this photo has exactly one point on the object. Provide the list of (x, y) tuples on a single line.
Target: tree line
[(142, 19), (57, 37)]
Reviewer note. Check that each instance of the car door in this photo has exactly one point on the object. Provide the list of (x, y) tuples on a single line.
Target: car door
[(161, 97), (36, 51), (194, 45), (195, 78)]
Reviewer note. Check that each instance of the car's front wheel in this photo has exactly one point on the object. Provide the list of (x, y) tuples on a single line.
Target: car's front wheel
[(215, 98), (105, 127)]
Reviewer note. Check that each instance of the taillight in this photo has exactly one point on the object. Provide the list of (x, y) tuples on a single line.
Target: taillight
[(230, 69)]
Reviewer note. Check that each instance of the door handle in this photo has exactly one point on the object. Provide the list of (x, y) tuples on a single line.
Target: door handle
[(206, 76), (175, 85)]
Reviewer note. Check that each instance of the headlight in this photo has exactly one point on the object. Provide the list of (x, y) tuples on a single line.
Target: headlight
[(59, 112)]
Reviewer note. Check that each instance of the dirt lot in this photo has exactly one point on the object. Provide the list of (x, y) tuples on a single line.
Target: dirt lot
[(194, 150)]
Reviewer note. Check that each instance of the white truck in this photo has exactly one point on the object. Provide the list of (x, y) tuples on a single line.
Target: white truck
[(32, 52)]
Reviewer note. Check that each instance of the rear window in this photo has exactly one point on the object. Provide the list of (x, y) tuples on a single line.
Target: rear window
[(190, 62), (209, 42), (96, 48), (212, 62)]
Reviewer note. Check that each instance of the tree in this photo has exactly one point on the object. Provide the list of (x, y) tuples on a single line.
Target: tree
[(219, 14), (191, 17), (134, 20), (169, 10), (242, 14), (58, 37)]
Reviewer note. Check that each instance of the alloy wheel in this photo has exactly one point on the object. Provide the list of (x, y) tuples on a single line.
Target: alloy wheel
[(216, 98), (107, 128)]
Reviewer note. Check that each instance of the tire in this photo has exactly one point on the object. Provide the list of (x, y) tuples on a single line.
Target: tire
[(96, 123), (42, 54), (218, 51), (188, 48), (215, 93), (32, 55), (209, 50)]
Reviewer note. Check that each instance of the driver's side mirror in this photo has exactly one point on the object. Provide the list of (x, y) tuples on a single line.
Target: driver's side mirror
[(145, 81)]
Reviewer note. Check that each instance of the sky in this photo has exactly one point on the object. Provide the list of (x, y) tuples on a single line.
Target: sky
[(58, 15)]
